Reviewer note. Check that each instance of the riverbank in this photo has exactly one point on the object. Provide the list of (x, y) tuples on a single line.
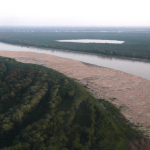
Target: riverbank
[(128, 92), (80, 52), (141, 69)]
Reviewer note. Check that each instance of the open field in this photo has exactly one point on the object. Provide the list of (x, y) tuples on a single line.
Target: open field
[(128, 92)]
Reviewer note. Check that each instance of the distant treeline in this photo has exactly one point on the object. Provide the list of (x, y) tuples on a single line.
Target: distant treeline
[(137, 42), (41, 109)]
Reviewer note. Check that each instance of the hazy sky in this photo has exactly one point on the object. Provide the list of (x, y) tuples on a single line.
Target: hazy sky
[(75, 12)]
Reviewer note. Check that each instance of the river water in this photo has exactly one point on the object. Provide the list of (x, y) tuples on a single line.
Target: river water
[(139, 68)]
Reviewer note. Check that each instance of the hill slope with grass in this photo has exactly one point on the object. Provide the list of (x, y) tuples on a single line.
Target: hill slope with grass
[(41, 109)]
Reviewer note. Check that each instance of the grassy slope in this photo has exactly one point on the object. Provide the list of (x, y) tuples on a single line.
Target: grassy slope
[(43, 109)]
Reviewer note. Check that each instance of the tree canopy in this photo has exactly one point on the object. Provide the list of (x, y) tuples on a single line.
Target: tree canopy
[(41, 109)]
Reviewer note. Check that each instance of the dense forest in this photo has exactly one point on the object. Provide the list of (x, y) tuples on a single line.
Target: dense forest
[(136, 45), (41, 109)]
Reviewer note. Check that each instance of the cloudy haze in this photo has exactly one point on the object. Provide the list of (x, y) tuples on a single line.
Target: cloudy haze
[(75, 13)]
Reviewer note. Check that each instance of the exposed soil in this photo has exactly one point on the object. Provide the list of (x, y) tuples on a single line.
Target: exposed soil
[(128, 92)]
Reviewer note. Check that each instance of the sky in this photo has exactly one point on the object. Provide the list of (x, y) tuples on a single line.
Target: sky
[(74, 13)]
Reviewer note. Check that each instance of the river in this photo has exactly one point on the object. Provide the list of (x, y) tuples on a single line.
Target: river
[(135, 67)]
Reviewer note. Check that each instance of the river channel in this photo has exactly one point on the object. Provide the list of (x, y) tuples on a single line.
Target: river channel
[(135, 67)]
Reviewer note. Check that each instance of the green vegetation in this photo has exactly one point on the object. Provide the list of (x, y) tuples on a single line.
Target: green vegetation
[(136, 44), (41, 109)]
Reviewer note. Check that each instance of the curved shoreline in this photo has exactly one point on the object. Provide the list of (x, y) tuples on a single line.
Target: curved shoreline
[(128, 92)]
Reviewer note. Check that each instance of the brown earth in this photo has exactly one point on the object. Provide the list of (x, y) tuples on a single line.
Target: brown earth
[(128, 92)]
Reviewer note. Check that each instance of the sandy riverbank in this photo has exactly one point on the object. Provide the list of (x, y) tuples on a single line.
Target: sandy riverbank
[(127, 91)]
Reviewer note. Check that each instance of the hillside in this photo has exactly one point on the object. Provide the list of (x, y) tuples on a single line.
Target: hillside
[(41, 109)]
